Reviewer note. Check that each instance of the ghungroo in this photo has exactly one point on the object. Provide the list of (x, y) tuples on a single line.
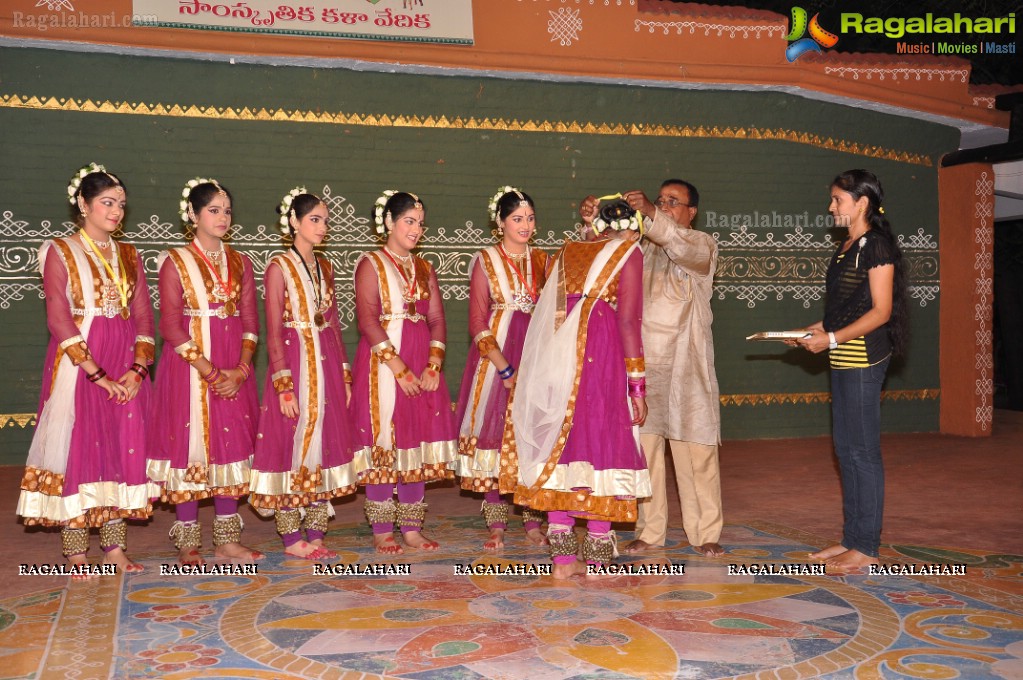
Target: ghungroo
[(600, 547), (380, 512), (227, 529), (316, 517), (74, 541), (114, 533), (531, 515), (288, 521), (563, 540), (410, 515), (186, 535), (495, 513)]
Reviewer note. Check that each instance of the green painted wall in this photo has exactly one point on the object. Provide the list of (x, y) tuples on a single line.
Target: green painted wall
[(771, 277)]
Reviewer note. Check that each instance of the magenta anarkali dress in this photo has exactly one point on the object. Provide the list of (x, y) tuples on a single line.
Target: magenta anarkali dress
[(499, 312), (87, 462), (411, 439), (572, 437), (200, 445), (316, 456)]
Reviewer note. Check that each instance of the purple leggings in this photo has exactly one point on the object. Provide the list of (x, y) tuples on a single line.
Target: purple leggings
[(594, 527), (407, 493)]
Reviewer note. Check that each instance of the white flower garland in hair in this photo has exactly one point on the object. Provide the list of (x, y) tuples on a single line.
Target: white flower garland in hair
[(497, 197), (76, 181), (285, 208), (378, 211), (189, 185), (600, 224)]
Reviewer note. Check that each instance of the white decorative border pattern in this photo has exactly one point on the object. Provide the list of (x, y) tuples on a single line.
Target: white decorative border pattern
[(962, 74), (983, 284), (753, 266), (732, 30)]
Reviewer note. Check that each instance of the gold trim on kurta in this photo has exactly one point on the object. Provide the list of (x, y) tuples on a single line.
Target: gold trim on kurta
[(531, 496), (199, 481), (41, 501), (312, 405), (277, 490), (456, 122)]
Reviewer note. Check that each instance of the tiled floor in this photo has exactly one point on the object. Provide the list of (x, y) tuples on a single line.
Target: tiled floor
[(950, 500)]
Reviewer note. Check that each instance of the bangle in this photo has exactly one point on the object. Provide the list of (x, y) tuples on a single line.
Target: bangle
[(142, 371), (246, 371), (401, 374), (213, 376), (637, 387), (832, 344), (507, 372), (433, 366), (97, 376)]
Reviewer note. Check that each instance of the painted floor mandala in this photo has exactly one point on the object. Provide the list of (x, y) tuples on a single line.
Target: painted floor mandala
[(288, 622)]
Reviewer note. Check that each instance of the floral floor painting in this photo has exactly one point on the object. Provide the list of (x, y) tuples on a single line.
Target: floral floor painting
[(286, 622)]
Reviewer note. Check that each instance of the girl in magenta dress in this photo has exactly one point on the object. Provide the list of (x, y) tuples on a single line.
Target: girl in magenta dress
[(203, 426), (400, 398), (581, 395), (306, 448), (87, 463), (504, 286)]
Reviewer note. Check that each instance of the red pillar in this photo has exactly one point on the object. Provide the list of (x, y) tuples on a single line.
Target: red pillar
[(967, 219)]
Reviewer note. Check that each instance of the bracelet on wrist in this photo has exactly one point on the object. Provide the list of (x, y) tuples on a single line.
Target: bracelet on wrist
[(507, 372), (97, 376), (142, 371), (213, 376), (433, 366), (832, 342), (246, 371), (401, 374)]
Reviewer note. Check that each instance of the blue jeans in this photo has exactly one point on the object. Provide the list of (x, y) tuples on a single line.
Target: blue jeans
[(856, 432)]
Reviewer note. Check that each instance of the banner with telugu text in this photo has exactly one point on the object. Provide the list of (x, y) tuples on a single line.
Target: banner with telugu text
[(434, 21)]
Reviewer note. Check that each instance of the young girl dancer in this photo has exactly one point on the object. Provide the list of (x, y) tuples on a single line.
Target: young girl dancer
[(306, 450), (203, 428), (401, 401), (86, 466), (504, 286)]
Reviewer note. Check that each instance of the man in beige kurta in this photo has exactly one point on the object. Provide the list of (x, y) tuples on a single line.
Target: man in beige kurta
[(682, 387)]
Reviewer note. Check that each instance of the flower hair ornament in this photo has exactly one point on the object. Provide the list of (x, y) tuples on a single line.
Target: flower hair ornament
[(617, 215), (500, 194), (285, 209), (76, 182), (378, 208), (184, 209)]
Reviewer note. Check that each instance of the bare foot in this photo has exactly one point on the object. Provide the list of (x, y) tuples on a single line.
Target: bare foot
[(117, 558), (386, 545), (306, 551), (709, 549), (190, 557), (415, 539), (851, 560), (536, 536), (639, 546), (496, 541), (828, 553), (80, 561), (237, 551), (318, 542), (562, 572)]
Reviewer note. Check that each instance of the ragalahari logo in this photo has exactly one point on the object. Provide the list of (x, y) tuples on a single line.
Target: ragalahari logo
[(798, 45)]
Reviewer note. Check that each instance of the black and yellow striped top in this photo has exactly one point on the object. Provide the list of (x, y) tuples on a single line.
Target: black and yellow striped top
[(848, 289)]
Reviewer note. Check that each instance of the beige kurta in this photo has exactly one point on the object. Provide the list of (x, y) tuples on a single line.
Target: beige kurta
[(682, 387)]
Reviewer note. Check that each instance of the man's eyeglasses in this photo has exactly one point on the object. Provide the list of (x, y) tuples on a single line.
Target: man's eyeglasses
[(670, 203)]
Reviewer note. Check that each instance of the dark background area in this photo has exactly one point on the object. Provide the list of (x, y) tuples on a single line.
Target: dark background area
[(1003, 69)]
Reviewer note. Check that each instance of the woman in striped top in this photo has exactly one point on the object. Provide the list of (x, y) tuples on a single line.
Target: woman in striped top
[(864, 325)]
